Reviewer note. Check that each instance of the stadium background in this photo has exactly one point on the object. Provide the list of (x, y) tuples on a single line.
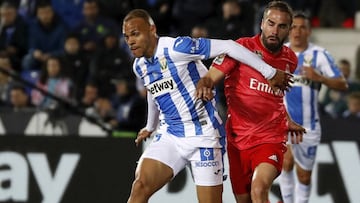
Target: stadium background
[(72, 160)]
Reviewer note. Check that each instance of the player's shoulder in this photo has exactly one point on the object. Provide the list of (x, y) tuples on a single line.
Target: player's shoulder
[(166, 41), (246, 41), (191, 46), (315, 47), (319, 50), (180, 44), (139, 66), (290, 57), (175, 42), (289, 53)]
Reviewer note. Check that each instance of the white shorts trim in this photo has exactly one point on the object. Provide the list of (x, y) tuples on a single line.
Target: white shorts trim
[(206, 164), (305, 152)]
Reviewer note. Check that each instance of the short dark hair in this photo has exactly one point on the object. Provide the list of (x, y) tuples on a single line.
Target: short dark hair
[(345, 62), (19, 87), (91, 1), (139, 13), (281, 6), (72, 35), (302, 15), (9, 4), (43, 4), (354, 95)]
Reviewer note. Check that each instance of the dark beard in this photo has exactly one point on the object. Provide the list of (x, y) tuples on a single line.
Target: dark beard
[(273, 47)]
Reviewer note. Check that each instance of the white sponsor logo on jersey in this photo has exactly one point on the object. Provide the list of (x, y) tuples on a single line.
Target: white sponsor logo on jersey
[(300, 80), (219, 59), (274, 158), (263, 87), (161, 87)]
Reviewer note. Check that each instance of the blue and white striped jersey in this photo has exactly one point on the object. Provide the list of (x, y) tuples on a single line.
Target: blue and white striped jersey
[(170, 77), (302, 99)]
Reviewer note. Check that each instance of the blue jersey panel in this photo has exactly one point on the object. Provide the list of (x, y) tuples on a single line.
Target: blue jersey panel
[(171, 77), (199, 46), (302, 100)]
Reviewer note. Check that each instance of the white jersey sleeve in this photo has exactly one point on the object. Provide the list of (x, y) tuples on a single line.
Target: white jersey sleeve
[(204, 48), (242, 54), (153, 114)]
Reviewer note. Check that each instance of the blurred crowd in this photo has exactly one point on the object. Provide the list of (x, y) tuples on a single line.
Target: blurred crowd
[(74, 49)]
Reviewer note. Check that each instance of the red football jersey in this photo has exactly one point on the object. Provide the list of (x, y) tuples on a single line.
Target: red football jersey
[(255, 114)]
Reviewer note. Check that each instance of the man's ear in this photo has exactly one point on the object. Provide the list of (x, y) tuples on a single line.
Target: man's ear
[(261, 25), (153, 29)]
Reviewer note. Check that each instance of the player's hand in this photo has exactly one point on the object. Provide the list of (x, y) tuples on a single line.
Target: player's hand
[(281, 81), (204, 89), (311, 74), (296, 132), (142, 135)]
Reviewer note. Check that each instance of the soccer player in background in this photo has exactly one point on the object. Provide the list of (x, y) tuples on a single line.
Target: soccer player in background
[(315, 67), (190, 131), (257, 123)]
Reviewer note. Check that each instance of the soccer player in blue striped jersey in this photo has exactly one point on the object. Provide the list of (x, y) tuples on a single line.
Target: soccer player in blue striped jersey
[(190, 131), (315, 67)]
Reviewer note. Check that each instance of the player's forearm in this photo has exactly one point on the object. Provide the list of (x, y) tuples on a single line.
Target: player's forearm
[(242, 54), (153, 115), (215, 75), (335, 83)]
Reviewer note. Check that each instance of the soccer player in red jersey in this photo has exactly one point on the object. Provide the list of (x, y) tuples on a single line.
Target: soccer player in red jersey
[(257, 123)]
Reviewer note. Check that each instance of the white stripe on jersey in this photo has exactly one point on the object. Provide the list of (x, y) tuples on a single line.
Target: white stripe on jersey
[(171, 77), (302, 100)]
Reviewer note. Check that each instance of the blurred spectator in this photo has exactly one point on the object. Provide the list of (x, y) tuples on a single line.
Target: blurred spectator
[(309, 7), (94, 27), (75, 64), (357, 62), (188, 13), (13, 33), (69, 11), (91, 93), (103, 111), (46, 37), (232, 23), (5, 80), (161, 12), (27, 9), (334, 102), (345, 12), (130, 107), (353, 105), (116, 9), (52, 81), (303, 5), (107, 62), (140, 88), (19, 99), (199, 31), (14, 2)]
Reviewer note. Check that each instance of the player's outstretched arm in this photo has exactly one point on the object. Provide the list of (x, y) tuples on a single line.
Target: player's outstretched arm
[(278, 79), (336, 83), (281, 81)]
